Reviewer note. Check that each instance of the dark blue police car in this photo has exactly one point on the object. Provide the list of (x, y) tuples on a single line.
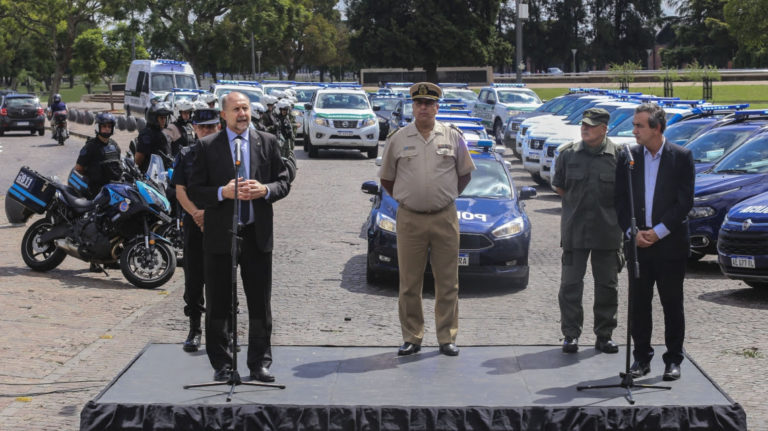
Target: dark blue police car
[(495, 230), (742, 246), (739, 175)]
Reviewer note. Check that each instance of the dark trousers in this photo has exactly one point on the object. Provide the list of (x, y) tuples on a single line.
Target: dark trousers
[(256, 276), (193, 268), (667, 275)]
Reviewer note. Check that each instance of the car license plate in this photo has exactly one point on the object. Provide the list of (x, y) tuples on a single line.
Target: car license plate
[(463, 259), (743, 262), (22, 123), (345, 132)]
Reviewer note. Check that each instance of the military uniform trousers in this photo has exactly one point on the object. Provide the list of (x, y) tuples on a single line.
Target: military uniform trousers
[(193, 268), (605, 267), (436, 235)]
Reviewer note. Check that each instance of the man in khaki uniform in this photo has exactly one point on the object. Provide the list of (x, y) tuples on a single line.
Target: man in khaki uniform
[(425, 166), (585, 176)]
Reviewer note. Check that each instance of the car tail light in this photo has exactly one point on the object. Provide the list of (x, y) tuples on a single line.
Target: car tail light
[(3, 112), (40, 111)]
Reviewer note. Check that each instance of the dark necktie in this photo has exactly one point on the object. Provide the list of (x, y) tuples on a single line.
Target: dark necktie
[(245, 206)]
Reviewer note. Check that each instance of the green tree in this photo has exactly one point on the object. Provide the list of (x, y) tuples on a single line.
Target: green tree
[(701, 34), (748, 21), (426, 33), (621, 30)]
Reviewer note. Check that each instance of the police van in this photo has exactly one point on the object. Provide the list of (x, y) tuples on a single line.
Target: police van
[(495, 104), (150, 79)]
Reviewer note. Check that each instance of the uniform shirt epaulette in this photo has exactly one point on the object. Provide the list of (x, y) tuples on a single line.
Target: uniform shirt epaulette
[(394, 132), (565, 146)]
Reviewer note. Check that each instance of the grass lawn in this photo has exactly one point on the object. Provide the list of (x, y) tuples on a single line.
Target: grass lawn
[(755, 95)]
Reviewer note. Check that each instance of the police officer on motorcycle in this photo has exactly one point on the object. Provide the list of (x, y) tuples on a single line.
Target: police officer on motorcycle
[(206, 122), (99, 159), (180, 132), (268, 119), (151, 139), (285, 132), (57, 107)]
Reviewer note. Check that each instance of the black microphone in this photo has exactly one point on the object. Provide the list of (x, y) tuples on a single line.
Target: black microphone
[(629, 155)]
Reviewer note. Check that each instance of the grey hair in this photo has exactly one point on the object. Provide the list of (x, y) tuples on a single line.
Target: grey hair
[(656, 115)]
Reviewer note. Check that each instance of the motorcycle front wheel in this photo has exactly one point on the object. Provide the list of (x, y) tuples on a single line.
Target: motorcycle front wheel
[(39, 256), (147, 268)]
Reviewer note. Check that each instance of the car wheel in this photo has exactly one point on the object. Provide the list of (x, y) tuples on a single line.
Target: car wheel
[(521, 284), (140, 124), (127, 111), (498, 132), (40, 132), (32, 132), (373, 152), (313, 152), (2, 132), (514, 151), (538, 179), (307, 143)]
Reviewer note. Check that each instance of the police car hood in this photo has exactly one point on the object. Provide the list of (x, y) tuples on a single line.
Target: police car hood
[(526, 115), (714, 183), (344, 114), (482, 215), (754, 208)]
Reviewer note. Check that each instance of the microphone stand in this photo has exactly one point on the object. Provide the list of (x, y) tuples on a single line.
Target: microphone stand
[(234, 376), (633, 273)]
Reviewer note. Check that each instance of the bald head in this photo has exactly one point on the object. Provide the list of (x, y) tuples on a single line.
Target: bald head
[(236, 111)]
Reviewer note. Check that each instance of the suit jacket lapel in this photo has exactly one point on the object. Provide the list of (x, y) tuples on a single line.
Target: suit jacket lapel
[(666, 169), (255, 153), (639, 185)]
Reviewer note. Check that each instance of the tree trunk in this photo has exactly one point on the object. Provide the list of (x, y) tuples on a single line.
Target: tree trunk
[(431, 71)]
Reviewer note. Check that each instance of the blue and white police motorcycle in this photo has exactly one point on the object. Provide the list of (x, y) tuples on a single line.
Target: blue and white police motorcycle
[(117, 226)]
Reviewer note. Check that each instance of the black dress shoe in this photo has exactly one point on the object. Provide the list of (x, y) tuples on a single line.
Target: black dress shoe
[(671, 372), (606, 345), (570, 345), (449, 349), (638, 369), (262, 374), (222, 374), (408, 349), (192, 343)]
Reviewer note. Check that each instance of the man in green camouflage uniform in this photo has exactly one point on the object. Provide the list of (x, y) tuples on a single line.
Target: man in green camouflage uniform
[(585, 178)]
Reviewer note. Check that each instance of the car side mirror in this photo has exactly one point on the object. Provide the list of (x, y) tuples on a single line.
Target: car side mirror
[(308, 106), (490, 102), (395, 114), (370, 187), (527, 193), (376, 108)]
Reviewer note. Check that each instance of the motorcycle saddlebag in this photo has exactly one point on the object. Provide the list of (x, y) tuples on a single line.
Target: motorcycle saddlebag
[(32, 190)]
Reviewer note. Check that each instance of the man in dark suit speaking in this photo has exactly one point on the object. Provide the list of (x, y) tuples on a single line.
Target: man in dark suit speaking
[(262, 179), (662, 182)]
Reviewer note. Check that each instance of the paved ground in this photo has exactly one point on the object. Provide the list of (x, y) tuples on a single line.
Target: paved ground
[(66, 333)]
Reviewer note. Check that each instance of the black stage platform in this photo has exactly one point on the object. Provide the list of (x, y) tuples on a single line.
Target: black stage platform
[(371, 388)]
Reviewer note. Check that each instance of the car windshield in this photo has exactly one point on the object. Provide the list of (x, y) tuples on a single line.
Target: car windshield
[(576, 117), (252, 95), (408, 109), (623, 129), (186, 81), (342, 101), (271, 90), (179, 97), (680, 133), (162, 82), (572, 107), (750, 158), (467, 95), (490, 180), (713, 144), (518, 97), (385, 104), (305, 96), (18, 102)]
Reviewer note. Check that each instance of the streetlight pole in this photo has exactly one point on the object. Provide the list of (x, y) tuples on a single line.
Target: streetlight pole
[(573, 68), (650, 59), (258, 54), (253, 60), (522, 13)]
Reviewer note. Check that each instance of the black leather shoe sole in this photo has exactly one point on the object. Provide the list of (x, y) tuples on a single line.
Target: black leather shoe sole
[(191, 347), (671, 373), (449, 349), (606, 346)]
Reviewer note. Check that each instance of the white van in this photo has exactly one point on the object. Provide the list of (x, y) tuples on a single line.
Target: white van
[(148, 79)]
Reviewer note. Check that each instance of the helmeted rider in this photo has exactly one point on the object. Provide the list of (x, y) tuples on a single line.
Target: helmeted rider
[(99, 159), (257, 115), (60, 108), (269, 118), (180, 132), (285, 132), (151, 139)]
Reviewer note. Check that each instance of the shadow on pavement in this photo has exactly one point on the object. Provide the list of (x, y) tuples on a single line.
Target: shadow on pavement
[(72, 278), (748, 297)]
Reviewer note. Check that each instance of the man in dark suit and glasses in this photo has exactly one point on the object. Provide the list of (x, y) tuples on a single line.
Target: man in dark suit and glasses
[(262, 180), (662, 182)]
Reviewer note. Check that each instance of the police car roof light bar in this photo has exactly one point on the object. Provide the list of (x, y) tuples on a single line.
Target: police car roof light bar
[(454, 111), (508, 85), (710, 108), (189, 90), (453, 84), (467, 126), (749, 112), (449, 100), (236, 82), (485, 144), (165, 61), (450, 118), (266, 81), (398, 84)]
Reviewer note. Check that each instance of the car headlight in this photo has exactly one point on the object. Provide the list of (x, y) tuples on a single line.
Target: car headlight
[(386, 223), (510, 228), (297, 113), (714, 195), (322, 122), (370, 122), (700, 212)]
